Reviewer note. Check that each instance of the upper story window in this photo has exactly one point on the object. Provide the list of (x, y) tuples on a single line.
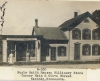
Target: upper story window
[(76, 34), (86, 21), (95, 49), (86, 34), (61, 51), (86, 49), (95, 34)]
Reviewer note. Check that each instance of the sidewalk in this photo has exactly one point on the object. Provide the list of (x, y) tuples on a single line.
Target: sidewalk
[(67, 66)]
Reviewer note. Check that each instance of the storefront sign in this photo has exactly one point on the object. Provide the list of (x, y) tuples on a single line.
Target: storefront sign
[(21, 39)]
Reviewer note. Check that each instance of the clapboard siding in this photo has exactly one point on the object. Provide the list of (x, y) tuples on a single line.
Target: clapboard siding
[(67, 34), (91, 25)]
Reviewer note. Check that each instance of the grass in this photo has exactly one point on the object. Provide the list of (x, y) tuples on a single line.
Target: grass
[(50, 63)]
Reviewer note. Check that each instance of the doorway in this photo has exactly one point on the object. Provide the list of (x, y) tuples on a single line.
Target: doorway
[(53, 53), (77, 52), (21, 49)]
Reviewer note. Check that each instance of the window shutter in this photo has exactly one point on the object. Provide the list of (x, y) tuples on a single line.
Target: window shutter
[(73, 34), (58, 51), (93, 50), (93, 35), (79, 34), (64, 51), (98, 50), (84, 50), (89, 49), (99, 35)]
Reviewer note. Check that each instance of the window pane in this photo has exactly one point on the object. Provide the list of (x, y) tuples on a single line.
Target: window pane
[(62, 51), (86, 49), (95, 34), (76, 33), (86, 34), (95, 49)]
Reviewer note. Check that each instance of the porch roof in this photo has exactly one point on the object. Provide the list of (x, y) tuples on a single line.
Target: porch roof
[(21, 36)]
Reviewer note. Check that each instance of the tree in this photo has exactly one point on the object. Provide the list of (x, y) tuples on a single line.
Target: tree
[(96, 14)]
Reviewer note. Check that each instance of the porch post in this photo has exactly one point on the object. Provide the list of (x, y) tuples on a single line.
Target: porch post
[(81, 35), (38, 50), (4, 51), (50, 54), (91, 50)]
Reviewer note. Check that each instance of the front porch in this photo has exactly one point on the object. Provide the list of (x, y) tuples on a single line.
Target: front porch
[(19, 47)]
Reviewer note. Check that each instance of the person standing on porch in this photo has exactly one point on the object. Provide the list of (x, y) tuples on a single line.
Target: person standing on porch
[(11, 59)]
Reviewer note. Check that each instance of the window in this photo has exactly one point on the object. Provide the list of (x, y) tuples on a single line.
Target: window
[(76, 34), (61, 51), (86, 21), (95, 49), (86, 49), (86, 34), (95, 34)]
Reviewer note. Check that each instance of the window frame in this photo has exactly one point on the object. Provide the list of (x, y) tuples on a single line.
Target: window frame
[(93, 34), (84, 50), (64, 51), (93, 46), (84, 34), (86, 20), (78, 34)]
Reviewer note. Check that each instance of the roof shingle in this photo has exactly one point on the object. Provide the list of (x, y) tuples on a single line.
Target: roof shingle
[(50, 33), (69, 24)]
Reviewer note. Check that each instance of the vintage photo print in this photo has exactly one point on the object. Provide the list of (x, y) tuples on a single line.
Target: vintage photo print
[(44, 40)]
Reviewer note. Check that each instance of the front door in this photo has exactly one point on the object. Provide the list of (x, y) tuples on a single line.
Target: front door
[(21, 49), (53, 53), (77, 52)]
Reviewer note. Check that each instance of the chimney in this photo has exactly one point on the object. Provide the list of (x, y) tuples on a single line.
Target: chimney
[(75, 14), (36, 22)]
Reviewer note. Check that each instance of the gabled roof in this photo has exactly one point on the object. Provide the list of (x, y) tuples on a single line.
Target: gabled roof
[(50, 33), (70, 24)]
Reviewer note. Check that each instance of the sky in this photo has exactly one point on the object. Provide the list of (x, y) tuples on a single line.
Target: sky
[(20, 14)]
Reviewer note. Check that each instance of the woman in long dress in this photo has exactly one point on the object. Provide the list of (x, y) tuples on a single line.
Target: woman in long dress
[(11, 58)]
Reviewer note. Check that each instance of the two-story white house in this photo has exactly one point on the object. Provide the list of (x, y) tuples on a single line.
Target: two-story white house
[(75, 39)]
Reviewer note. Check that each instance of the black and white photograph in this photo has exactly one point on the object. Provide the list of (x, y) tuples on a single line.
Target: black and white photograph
[(44, 34)]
